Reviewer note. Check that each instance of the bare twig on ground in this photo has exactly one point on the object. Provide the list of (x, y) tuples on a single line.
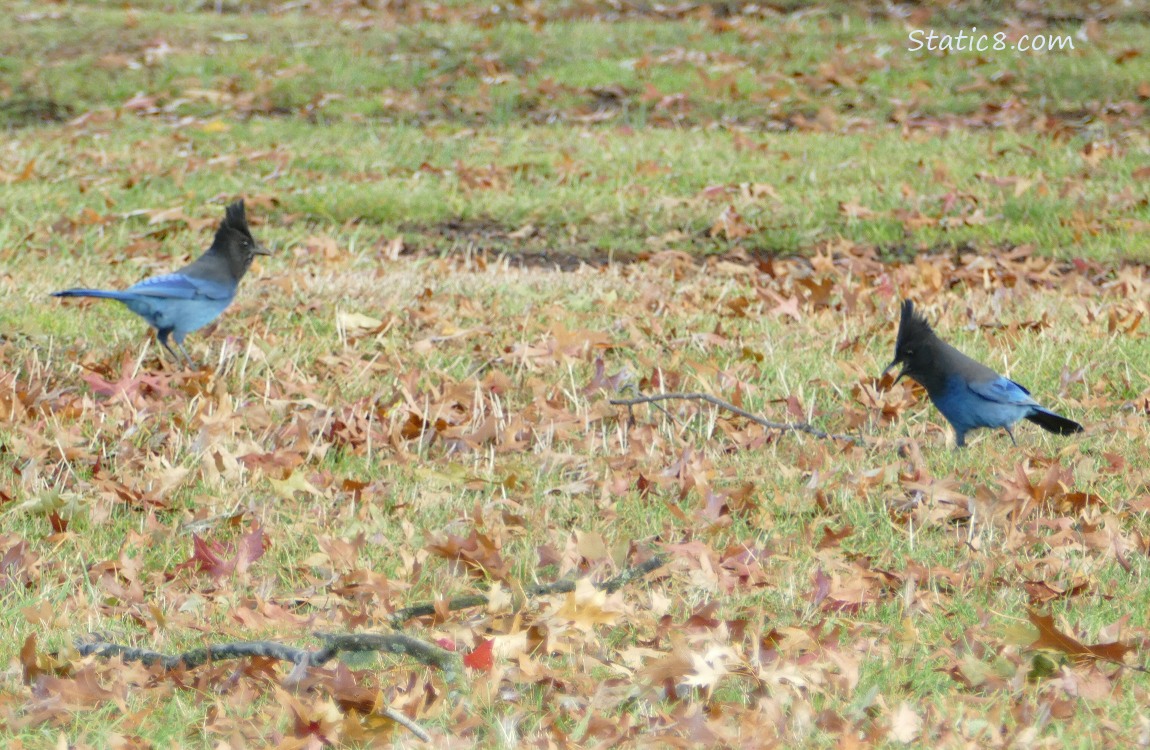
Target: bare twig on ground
[(611, 585), (400, 718), (334, 644), (716, 401)]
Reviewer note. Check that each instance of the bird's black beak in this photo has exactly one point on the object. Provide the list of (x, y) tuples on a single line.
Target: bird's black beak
[(891, 367), (261, 250)]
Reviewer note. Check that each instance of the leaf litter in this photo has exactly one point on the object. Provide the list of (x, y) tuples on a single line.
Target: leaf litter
[(489, 464)]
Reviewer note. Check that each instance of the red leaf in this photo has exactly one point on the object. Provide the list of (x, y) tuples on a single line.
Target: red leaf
[(204, 557), (59, 525), (481, 656), (211, 558)]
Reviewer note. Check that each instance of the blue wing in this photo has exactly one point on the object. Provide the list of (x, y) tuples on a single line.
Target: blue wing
[(179, 286), (1003, 391)]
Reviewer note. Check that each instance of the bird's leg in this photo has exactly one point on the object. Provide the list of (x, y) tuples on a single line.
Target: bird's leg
[(163, 338), (1009, 432), (191, 362), (184, 361)]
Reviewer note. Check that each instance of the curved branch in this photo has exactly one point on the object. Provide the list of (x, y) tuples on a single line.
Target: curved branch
[(611, 585), (334, 644), (716, 401), (337, 643)]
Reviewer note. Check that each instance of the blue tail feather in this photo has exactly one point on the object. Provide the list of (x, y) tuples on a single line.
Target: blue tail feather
[(101, 293)]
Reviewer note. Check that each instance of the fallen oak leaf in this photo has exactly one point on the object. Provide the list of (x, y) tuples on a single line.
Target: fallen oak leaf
[(587, 607), (129, 381), (319, 720), (855, 210), (478, 553), (34, 663), (1041, 592), (174, 214), (1049, 638), (710, 667), (832, 538), (730, 225), (293, 483), (79, 690), (210, 557), (905, 724), (822, 587), (670, 668), (351, 691), (28, 172), (354, 325), (601, 381), (204, 556)]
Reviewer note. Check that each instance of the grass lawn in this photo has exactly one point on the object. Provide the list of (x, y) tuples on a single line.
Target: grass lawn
[(489, 220)]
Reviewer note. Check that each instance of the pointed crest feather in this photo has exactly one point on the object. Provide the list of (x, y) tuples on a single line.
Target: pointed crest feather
[(236, 219), (912, 326)]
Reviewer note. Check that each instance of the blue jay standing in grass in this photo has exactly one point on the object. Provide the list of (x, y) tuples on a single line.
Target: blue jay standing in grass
[(178, 303), (968, 394)]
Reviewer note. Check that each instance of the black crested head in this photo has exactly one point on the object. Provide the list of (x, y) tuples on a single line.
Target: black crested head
[(913, 328), (235, 242), (914, 344)]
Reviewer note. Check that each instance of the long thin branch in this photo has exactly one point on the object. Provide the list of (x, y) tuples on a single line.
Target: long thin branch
[(392, 643), (197, 656), (630, 575), (611, 585), (716, 401), (334, 644), (400, 616)]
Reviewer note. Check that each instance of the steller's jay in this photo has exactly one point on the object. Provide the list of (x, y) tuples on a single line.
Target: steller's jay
[(968, 394), (178, 303)]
